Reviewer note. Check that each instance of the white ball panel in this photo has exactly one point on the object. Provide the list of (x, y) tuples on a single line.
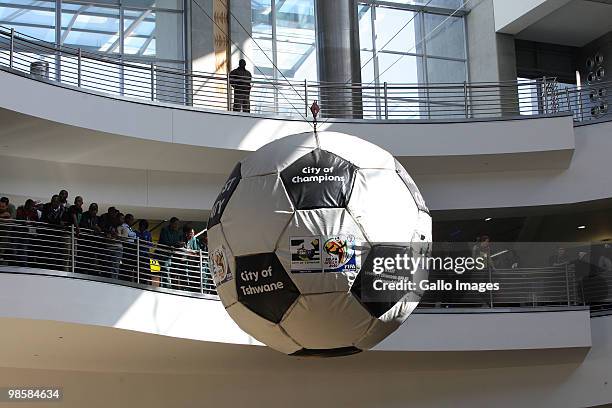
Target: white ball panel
[(277, 155), (319, 224), (386, 324), (218, 247), (268, 333), (256, 215), (383, 206), (329, 320), (361, 153)]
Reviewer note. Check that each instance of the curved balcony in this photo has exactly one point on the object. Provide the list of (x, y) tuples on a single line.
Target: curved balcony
[(53, 274), (208, 91), (43, 249)]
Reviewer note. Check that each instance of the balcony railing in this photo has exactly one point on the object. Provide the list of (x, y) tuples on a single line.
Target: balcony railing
[(164, 84), (39, 248), (90, 255)]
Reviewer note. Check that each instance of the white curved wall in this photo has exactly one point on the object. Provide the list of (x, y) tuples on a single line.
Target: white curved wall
[(100, 366), (95, 303)]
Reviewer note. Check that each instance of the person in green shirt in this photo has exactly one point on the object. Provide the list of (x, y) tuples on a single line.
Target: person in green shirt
[(171, 238)]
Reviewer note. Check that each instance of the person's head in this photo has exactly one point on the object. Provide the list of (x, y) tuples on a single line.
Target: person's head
[(63, 196), (78, 201), (485, 240), (29, 205), (188, 232), (143, 225), (3, 207), (129, 219), (55, 201), (242, 63), (120, 218), (112, 211), (5, 200), (173, 223), (93, 208), (560, 251)]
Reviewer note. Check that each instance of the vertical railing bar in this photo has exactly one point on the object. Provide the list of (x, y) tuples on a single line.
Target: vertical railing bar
[(306, 97), (12, 48), (137, 260), (72, 248), (79, 69), (544, 94), (465, 99), (567, 284), (490, 285), (228, 92), (201, 274), (386, 101), (152, 81)]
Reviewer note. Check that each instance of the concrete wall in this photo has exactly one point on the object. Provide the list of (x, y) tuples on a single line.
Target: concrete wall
[(492, 58), (512, 17), (103, 304), (102, 366)]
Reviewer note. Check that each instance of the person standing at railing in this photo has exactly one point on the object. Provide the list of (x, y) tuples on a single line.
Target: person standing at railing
[(128, 237), (91, 243), (146, 243), (114, 246), (63, 197), (240, 80), (57, 245), (5, 231), (28, 214), (192, 258), (171, 237), (10, 206), (74, 214)]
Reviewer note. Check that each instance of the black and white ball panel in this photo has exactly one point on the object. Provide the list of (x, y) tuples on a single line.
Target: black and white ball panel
[(256, 215), (319, 179), (326, 320), (264, 287), (263, 330)]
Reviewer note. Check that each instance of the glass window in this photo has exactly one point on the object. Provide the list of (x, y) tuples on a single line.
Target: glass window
[(30, 17), (441, 71), (364, 13), (399, 69), (445, 36), (90, 27), (450, 4), (408, 43), (395, 30), (286, 36), (153, 34)]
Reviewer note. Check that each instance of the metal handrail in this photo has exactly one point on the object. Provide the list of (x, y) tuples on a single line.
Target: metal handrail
[(89, 253), (154, 82), (36, 247)]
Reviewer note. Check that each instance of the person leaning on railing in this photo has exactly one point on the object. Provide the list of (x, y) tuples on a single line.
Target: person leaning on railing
[(58, 240), (128, 238), (172, 238), (191, 261), (145, 244), (5, 229), (24, 248), (114, 246), (90, 242)]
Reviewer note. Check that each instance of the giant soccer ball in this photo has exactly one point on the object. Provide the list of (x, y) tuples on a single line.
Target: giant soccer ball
[(295, 232)]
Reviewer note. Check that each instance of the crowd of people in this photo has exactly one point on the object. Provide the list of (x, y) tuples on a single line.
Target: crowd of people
[(113, 244)]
